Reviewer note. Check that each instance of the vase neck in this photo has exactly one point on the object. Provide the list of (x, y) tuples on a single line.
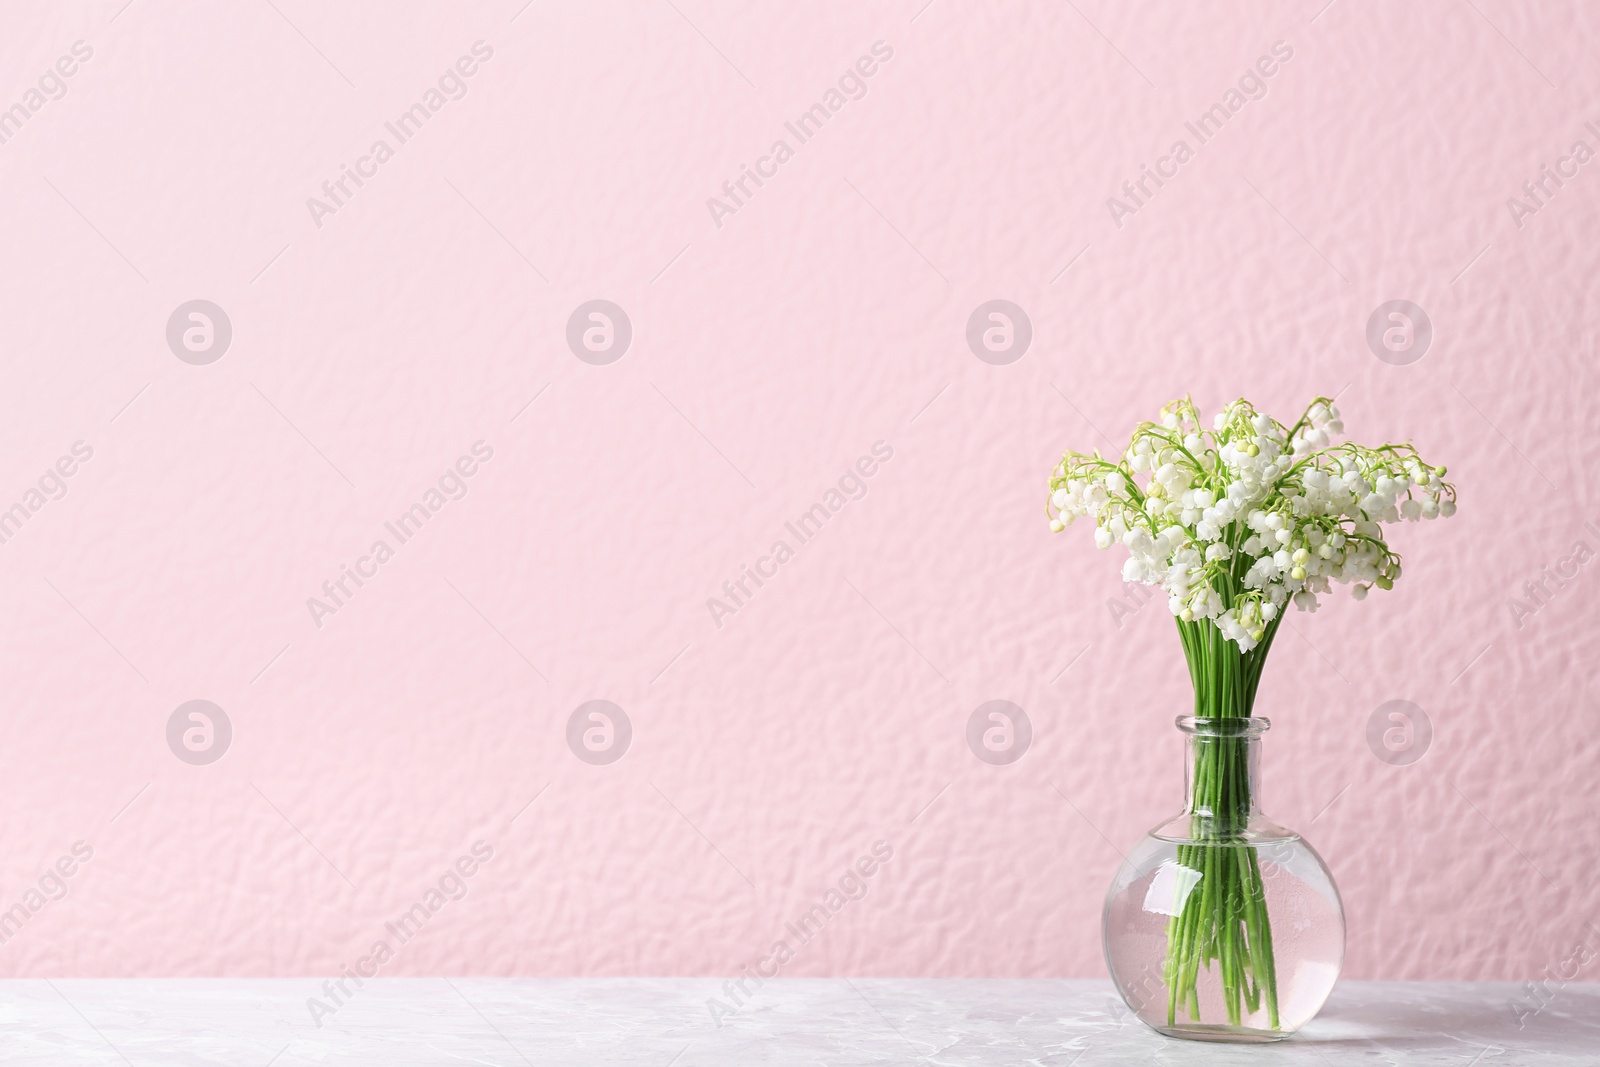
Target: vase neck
[(1222, 772)]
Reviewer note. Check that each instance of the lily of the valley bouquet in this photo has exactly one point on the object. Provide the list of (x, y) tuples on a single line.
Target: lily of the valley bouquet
[(1235, 522)]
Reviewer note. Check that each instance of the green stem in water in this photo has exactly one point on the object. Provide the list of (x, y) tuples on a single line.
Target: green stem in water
[(1224, 920)]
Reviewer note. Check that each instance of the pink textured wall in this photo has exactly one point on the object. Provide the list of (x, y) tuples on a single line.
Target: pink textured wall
[(776, 341)]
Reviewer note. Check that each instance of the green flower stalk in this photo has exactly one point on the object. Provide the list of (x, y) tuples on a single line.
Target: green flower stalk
[(1234, 523)]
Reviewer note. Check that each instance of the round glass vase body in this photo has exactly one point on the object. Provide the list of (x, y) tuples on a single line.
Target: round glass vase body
[(1222, 925)]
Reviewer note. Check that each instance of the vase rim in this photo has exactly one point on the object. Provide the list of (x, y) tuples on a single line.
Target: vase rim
[(1230, 726)]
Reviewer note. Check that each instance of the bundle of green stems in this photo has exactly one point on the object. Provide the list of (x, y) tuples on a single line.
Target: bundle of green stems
[(1223, 921)]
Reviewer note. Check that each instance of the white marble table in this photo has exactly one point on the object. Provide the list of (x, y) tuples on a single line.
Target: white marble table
[(665, 1023)]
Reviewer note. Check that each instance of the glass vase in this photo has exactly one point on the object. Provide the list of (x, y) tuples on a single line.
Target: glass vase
[(1222, 925)]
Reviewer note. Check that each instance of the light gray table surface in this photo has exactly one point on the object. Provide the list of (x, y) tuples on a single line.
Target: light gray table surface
[(402, 1022)]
